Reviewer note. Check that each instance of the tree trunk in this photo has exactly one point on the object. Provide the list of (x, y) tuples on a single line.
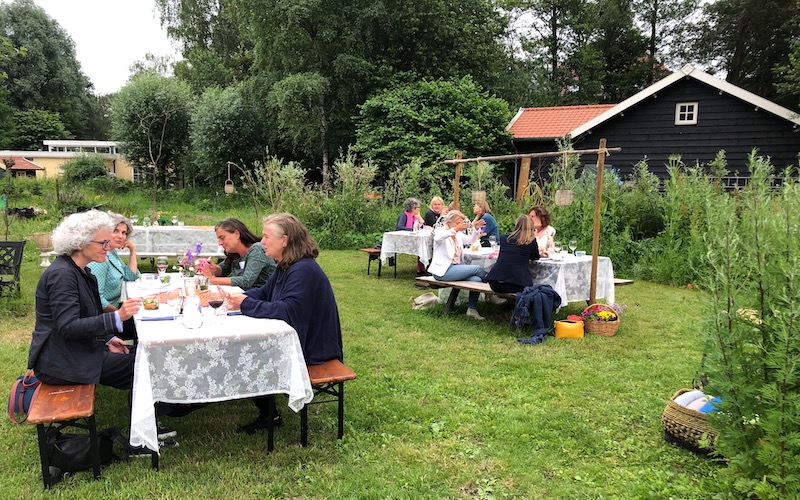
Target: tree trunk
[(327, 185)]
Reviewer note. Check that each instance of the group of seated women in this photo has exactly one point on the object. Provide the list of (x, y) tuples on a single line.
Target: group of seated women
[(81, 317), (531, 238)]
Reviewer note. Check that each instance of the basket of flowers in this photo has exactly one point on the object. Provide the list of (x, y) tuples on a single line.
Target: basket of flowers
[(600, 319)]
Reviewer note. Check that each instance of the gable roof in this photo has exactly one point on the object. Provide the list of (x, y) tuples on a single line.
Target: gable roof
[(552, 122), (689, 71), (21, 163)]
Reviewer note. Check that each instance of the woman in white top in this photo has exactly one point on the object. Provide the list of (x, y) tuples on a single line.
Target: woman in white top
[(545, 233), (448, 243)]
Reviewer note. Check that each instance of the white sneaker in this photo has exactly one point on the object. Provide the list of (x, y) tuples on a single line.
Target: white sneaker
[(494, 299), (473, 313)]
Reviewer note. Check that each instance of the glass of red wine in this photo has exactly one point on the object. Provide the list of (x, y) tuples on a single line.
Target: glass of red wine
[(216, 301)]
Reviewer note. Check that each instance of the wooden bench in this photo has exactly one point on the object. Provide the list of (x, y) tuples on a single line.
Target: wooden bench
[(327, 378), (622, 282), (375, 254), (56, 407), (470, 286)]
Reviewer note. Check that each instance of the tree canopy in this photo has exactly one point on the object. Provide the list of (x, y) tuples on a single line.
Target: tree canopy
[(47, 76), (430, 120), (150, 118)]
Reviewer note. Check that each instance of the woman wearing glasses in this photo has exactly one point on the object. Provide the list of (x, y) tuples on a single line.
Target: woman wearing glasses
[(74, 341)]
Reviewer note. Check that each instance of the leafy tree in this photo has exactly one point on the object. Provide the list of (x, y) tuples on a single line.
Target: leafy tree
[(663, 25), (84, 167), (622, 50), (789, 85), (48, 77), (218, 51), (224, 128), (325, 58), (431, 120), (749, 39), (302, 117), (34, 126), (150, 118)]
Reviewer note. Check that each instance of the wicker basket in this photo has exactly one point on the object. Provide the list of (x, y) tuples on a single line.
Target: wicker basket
[(604, 328), (686, 427)]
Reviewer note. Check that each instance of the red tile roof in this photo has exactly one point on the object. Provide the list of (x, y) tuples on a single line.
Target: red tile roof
[(21, 163), (554, 121)]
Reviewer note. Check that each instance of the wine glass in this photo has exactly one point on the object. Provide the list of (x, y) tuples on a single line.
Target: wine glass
[(174, 220), (557, 246), (161, 264), (134, 219), (174, 300), (573, 245), (216, 300)]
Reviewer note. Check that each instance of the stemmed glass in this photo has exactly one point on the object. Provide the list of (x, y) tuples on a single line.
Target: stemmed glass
[(573, 245), (216, 300), (174, 220), (557, 246), (134, 219), (174, 300), (161, 264)]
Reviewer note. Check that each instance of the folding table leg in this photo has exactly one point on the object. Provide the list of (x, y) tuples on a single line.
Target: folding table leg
[(270, 423)]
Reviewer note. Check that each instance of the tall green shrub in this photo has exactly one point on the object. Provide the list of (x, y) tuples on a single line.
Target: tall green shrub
[(753, 281)]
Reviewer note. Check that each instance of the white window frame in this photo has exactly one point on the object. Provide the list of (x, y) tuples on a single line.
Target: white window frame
[(686, 113)]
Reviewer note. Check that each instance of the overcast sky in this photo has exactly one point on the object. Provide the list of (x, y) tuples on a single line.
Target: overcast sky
[(109, 36)]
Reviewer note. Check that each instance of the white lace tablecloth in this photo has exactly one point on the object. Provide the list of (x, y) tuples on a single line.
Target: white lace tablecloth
[(570, 277), (241, 358), (419, 243), (175, 240)]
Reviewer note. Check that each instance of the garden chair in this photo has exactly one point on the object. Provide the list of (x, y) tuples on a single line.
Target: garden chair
[(10, 264)]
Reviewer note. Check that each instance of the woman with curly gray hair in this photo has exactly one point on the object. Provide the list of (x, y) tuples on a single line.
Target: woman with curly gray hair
[(74, 341)]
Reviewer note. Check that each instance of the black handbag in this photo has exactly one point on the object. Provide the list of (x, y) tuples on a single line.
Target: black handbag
[(73, 452)]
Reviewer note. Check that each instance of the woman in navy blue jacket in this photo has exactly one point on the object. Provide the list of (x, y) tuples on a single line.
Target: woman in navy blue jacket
[(511, 274), (299, 293)]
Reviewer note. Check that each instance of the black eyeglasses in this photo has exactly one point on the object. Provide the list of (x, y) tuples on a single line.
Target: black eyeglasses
[(103, 243)]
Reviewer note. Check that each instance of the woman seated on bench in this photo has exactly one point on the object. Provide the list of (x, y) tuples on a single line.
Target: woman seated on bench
[(245, 265), (510, 274), (299, 293), (448, 243), (112, 273), (74, 341)]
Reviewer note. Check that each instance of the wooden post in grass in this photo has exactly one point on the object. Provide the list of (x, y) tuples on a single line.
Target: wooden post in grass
[(598, 195), (459, 155)]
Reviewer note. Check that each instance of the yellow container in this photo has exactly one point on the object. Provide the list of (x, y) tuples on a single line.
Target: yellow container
[(569, 329)]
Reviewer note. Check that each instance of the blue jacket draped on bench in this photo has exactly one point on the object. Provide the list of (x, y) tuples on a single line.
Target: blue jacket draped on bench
[(535, 305)]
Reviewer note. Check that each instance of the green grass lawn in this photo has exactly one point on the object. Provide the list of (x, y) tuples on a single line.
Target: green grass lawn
[(443, 407)]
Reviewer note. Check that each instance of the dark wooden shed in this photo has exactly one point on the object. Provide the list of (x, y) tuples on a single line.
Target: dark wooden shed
[(689, 113)]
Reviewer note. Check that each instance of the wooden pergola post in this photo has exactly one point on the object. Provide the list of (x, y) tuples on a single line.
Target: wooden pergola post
[(522, 182), (456, 205), (598, 195)]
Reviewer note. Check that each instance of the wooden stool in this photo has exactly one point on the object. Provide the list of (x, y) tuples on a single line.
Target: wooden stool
[(58, 406), (327, 378)]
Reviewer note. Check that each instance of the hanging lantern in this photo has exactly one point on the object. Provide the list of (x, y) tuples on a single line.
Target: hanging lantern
[(229, 189)]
